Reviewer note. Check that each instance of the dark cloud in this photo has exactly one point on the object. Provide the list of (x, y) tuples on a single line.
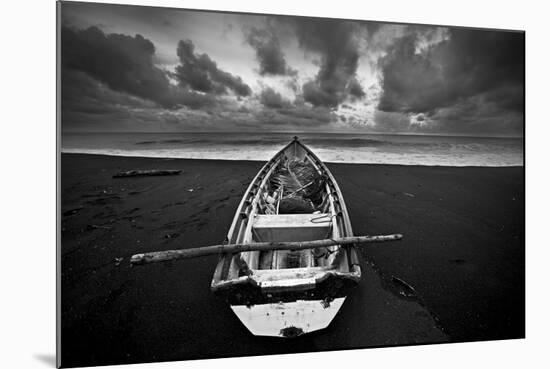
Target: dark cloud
[(392, 122), (114, 73), (268, 52), (272, 99), (124, 63), (469, 63), (283, 112), (84, 94), (199, 72), (314, 94), (293, 84), (109, 81), (316, 116), (477, 116), (89, 104), (473, 116), (355, 89), (102, 109), (336, 42), (433, 79)]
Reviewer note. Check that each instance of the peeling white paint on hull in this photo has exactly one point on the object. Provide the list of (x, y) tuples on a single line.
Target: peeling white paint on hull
[(289, 318)]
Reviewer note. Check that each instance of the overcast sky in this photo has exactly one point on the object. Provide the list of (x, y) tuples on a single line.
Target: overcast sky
[(127, 68)]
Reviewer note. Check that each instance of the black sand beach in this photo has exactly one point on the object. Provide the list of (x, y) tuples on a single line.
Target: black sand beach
[(463, 255)]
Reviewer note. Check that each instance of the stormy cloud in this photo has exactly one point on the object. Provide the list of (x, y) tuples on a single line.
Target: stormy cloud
[(268, 52), (201, 73), (273, 99), (124, 68), (471, 63), (336, 42), (124, 63)]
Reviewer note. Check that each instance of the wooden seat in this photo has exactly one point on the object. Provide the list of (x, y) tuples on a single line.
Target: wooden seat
[(290, 227), (286, 228)]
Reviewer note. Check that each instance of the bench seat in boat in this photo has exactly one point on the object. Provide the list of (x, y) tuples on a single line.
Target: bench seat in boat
[(290, 227), (287, 228)]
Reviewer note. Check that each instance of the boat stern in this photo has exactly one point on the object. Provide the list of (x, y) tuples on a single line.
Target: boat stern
[(289, 302), (288, 319)]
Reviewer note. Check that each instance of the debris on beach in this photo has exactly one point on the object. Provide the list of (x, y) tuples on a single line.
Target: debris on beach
[(403, 288), (73, 211), (171, 235), (95, 226), (152, 172), (457, 261)]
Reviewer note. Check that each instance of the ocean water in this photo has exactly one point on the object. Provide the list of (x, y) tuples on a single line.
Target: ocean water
[(330, 147)]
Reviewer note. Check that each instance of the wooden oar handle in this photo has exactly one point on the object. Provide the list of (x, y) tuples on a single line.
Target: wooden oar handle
[(159, 256)]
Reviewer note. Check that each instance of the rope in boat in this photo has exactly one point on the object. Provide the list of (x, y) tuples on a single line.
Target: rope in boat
[(329, 219)]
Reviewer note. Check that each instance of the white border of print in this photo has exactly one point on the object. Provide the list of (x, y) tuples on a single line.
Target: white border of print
[(28, 156)]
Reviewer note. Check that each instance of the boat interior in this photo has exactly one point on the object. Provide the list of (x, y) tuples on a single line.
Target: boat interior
[(293, 198)]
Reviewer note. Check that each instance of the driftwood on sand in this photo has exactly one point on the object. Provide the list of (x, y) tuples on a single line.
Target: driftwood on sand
[(159, 256), (151, 172)]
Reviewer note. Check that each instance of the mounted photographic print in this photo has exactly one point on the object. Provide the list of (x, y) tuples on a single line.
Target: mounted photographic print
[(239, 184)]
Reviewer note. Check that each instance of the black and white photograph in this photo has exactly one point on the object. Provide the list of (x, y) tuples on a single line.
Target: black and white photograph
[(241, 184)]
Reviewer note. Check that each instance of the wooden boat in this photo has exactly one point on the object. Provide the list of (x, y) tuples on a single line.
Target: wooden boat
[(286, 293), (289, 258)]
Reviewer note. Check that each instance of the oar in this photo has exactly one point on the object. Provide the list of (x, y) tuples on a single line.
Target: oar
[(159, 256)]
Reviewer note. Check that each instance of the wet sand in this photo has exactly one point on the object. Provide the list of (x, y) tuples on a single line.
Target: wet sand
[(458, 275)]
